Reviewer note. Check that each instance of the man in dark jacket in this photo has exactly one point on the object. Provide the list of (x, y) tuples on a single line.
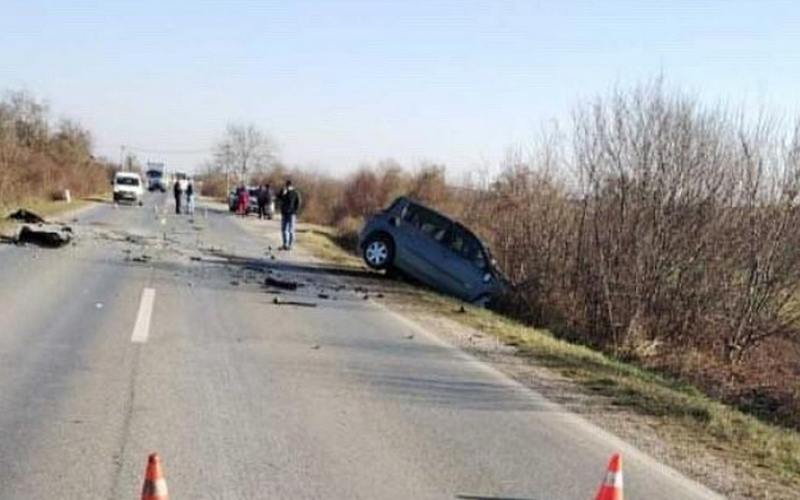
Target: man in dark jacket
[(178, 192), (289, 200), (265, 202)]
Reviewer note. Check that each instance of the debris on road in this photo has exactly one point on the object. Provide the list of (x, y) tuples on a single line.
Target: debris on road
[(283, 285), (279, 302), (45, 236), (323, 296), (23, 215), (235, 283), (315, 346)]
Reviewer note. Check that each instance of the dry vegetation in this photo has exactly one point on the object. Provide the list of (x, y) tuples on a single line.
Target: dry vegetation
[(657, 230), (39, 159)]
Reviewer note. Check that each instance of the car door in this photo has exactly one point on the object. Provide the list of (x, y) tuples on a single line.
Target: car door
[(467, 264), (421, 236)]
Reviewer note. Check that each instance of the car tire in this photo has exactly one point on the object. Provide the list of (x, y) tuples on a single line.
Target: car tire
[(379, 252)]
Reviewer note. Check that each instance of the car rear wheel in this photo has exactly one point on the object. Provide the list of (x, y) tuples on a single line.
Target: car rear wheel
[(379, 252)]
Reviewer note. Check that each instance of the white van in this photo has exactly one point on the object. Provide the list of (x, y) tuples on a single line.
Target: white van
[(128, 187)]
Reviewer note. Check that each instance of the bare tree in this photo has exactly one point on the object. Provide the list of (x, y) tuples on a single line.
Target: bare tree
[(245, 150)]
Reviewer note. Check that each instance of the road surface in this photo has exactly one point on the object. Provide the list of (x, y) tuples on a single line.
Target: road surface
[(134, 341)]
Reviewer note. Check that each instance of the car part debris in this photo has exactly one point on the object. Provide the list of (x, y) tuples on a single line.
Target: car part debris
[(45, 236), (284, 285), (323, 296), (279, 302), (23, 215)]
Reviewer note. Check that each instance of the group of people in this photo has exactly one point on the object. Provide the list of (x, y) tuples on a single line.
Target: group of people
[(179, 192), (263, 196), (288, 200)]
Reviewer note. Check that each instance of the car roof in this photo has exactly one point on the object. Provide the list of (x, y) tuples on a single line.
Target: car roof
[(126, 174), (410, 200)]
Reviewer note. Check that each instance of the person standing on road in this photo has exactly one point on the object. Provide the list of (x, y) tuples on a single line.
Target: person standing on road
[(289, 200), (264, 202), (190, 197), (178, 192), (243, 200)]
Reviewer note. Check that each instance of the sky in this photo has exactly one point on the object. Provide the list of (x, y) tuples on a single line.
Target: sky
[(341, 83)]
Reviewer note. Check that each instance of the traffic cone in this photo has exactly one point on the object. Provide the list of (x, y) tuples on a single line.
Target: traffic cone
[(611, 489), (155, 487)]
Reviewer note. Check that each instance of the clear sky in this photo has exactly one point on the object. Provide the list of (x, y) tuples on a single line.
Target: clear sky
[(338, 83)]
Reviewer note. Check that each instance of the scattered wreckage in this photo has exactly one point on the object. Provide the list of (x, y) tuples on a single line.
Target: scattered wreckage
[(37, 231)]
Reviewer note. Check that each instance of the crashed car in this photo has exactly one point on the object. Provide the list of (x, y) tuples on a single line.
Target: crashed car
[(432, 248), (252, 200)]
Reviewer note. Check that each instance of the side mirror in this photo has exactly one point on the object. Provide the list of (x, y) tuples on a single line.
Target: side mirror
[(394, 221)]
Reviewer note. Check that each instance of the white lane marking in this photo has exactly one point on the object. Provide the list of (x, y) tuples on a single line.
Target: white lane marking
[(142, 327)]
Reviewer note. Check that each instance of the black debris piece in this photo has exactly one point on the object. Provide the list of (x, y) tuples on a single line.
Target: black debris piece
[(45, 236), (295, 303), (23, 215), (323, 295), (283, 285)]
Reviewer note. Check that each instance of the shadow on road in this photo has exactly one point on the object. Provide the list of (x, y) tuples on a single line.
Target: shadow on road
[(299, 268)]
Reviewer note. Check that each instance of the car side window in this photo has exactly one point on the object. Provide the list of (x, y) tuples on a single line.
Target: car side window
[(466, 245), (410, 215), (428, 222)]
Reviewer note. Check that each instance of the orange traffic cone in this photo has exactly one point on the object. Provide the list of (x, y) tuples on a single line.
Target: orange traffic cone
[(611, 489), (155, 487)]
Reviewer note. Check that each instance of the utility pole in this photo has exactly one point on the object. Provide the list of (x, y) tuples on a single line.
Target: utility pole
[(227, 160), (122, 157)]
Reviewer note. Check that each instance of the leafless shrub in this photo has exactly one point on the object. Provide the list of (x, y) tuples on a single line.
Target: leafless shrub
[(37, 159)]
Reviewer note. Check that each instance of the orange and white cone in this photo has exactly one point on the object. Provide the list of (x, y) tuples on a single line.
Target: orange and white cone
[(611, 489), (155, 487)]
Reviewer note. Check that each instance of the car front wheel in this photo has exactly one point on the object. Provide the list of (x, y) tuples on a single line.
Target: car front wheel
[(379, 252)]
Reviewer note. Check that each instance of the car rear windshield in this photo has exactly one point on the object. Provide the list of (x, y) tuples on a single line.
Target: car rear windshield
[(127, 181)]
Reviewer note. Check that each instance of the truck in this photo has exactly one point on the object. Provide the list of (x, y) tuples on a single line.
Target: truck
[(155, 177)]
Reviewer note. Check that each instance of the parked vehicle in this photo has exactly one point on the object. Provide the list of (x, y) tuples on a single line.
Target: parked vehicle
[(155, 180), (128, 187), (252, 200), (432, 248)]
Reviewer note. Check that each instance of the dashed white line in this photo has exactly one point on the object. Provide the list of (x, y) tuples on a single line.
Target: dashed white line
[(141, 330)]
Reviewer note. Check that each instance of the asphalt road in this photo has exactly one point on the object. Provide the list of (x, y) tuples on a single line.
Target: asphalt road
[(245, 399)]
